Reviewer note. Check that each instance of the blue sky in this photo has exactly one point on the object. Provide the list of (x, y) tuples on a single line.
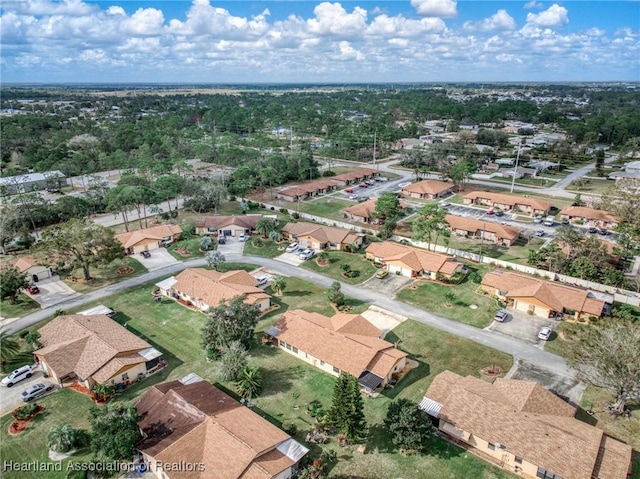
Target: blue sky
[(203, 41)]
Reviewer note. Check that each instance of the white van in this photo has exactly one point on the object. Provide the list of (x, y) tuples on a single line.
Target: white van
[(549, 220)]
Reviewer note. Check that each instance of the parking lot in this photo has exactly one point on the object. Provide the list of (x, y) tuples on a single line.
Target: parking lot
[(522, 326)]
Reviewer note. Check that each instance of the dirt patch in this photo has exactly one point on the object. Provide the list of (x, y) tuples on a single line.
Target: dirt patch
[(124, 270), (185, 253), (20, 425)]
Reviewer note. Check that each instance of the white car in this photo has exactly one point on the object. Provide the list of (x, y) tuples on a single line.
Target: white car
[(292, 248), (501, 316), (403, 185), (262, 280), (306, 253), (17, 375), (353, 197), (35, 391), (242, 237), (540, 233), (444, 203), (545, 333)]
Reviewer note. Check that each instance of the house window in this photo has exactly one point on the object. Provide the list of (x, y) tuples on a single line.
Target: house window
[(125, 376), (282, 343), (306, 355), (518, 460), (321, 362), (492, 447), (288, 346), (295, 350), (336, 370), (542, 474)]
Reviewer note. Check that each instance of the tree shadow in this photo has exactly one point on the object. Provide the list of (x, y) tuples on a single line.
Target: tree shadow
[(584, 416), (20, 359), (423, 370), (297, 293)]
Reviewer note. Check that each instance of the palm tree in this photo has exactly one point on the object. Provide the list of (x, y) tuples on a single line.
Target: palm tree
[(249, 383), (278, 285), (9, 346), (264, 226), (323, 258), (61, 438)]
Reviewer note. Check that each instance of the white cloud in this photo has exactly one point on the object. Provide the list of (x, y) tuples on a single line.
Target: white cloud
[(347, 52), (533, 4), (554, 16), (145, 21), (500, 20), (45, 7), (436, 8), (333, 19), (404, 27)]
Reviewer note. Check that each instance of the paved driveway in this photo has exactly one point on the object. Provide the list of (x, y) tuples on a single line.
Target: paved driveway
[(232, 246), (52, 291), (388, 286), (289, 258), (569, 389), (10, 397), (159, 259), (522, 326)]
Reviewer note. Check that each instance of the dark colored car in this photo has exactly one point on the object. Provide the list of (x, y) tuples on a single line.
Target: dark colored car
[(145, 254), (593, 230)]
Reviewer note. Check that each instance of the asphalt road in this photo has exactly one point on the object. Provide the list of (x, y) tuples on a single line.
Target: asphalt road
[(513, 346)]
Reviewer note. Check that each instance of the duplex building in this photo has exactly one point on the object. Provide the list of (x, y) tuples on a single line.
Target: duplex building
[(227, 225), (203, 288), (428, 189), (542, 298), (363, 212), (523, 428), (589, 216), (196, 425), (320, 237), (532, 206), (412, 262), (343, 343), (496, 233), (307, 190), (148, 239), (94, 349), (355, 176)]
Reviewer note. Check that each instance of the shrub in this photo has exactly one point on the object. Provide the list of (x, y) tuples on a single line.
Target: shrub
[(257, 242), (284, 211), (24, 412), (290, 428), (273, 208), (328, 173), (295, 216)]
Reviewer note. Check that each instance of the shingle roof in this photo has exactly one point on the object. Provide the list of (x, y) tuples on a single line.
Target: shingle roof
[(549, 437), (414, 258), (508, 199), (555, 295), (322, 233), (89, 346), (352, 175), (589, 213), (24, 263), (219, 221), (429, 187), (197, 423), (351, 352), (366, 208), (155, 233), (473, 226), (211, 287), (312, 187)]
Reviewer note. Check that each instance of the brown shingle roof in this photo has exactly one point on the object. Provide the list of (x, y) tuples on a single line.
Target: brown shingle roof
[(555, 295), (366, 208), (510, 200), (428, 187), (314, 333), (211, 287), (24, 263), (474, 226), (197, 423), (312, 187), (219, 222), (589, 213), (414, 258), (352, 175), (87, 344), (155, 233), (322, 233), (557, 443)]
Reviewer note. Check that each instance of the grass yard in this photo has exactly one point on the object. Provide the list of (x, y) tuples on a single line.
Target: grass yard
[(190, 244), (23, 305), (326, 207), (269, 249), (64, 406), (355, 261), (590, 185), (430, 296), (102, 276)]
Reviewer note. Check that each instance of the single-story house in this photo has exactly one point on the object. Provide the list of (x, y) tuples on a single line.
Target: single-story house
[(429, 189), (540, 298), (205, 288), (307, 190), (363, 212), (631, 170), (148, 239), (523, 428), (508, 202), (211, 434), (49, 180), (412, 262), (589, 216), (320, 237), (519, 172), (355, 176), (227, 225), (28, 266), (94, 349), (343, 343), (496, 233)]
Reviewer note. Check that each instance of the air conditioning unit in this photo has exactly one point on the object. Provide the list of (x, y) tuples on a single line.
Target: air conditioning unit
[(498, 445)]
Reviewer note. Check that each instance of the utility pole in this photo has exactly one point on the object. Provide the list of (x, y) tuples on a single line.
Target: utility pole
[(484, 226), (374, 149), (515, 170)]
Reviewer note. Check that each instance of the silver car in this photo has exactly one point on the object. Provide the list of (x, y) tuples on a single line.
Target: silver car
[(545, 333), (35, 391)]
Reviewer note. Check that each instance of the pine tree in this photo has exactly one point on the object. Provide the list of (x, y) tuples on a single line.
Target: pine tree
[(336, 417), (356, 424)]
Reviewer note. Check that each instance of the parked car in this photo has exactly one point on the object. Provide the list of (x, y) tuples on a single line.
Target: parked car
[(35, 391), (444, 203), (363, 199), (593, 230), (33, 289), (545, 333), (17, 375), (353, 197), (501, 316), (540, 233), (363, 185), (489, 212), (145, 254), (381, 178), (242, 237), (499, 213), (564, 222), (603, 231), (537, 220), (306, 253), (222, 239), (382, 273), (262, 280), (370, 182), (292, 248), (349, 190)]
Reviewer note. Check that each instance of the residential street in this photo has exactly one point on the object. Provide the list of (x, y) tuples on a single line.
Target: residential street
[(519, 349)]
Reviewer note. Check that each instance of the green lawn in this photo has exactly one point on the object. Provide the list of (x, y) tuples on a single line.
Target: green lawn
[(589, 185), (336, 259), (430, 297), (23, 305), (190, 245), (326, 207), (269, 249), (104, 275)]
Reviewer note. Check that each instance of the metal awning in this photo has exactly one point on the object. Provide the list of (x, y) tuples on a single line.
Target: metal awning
[(431, 407), (150, 353), (370, 380), (166, 284), (100, 309), (272, 331), (190, 379)]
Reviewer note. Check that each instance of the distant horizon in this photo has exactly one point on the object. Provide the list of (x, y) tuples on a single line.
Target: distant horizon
[(319, 42)]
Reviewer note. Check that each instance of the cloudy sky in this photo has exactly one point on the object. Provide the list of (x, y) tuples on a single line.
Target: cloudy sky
[(206, 41)]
